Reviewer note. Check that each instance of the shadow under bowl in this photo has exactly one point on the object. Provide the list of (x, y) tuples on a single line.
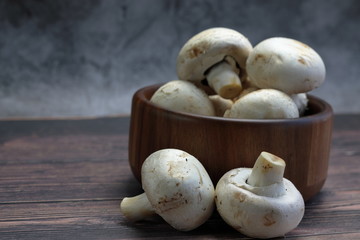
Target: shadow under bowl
[(222, 144)]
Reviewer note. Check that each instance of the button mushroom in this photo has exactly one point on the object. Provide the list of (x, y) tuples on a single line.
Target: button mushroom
[(218, 55), (220, 104), (285, 64), (183, 96), (301, 102), (259, 202), (263, 104), (177, 187)]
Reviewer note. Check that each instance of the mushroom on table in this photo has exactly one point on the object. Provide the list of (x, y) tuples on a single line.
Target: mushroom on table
[(217, 55), (259, 202), (176, 187)]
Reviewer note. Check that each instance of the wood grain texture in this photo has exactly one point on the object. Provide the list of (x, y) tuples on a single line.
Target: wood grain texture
[(65, 180)]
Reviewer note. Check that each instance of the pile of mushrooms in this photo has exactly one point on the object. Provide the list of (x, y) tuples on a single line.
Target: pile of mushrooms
[(267, 81), (257, 202), (270, 80)]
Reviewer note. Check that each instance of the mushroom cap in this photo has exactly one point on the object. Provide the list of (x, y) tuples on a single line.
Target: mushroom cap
[(178, 188), (263, 104), (259, 212), (285, 64), (183, 96), (246, 91), (301, 101), (208, 48)]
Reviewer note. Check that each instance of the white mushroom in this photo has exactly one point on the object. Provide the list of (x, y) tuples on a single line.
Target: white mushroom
[(263, 104), (245, 91), (285, 64), (177, 187), (218, 55), (301, 102), (220, 104), (183, 96), (259, 202)]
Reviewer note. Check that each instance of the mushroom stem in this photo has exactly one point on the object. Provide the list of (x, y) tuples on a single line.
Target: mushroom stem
[(136, 208), (268, 169), (224, 80)]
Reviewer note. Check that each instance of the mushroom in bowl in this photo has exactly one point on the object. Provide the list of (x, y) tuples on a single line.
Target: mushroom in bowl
[(263, 104), (285, 64), (183, 96), (217, 55)]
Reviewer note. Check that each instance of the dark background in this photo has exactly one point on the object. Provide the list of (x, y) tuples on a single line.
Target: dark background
[(87, 57)]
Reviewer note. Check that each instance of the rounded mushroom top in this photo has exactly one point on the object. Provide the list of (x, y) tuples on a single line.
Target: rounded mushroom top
[(301, 101), (178, 187), (285, 64), (259, 202), (183, 96), (208, 48), (263, 104), (259, 212)]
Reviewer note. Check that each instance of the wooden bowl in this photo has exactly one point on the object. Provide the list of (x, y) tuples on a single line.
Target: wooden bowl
[(222, 144)]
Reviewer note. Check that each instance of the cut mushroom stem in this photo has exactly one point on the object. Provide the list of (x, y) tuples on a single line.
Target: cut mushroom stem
[(136, 208), (268, 169), (224, 80)]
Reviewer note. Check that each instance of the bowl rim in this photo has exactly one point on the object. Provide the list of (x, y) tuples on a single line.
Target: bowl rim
[(326, 112)]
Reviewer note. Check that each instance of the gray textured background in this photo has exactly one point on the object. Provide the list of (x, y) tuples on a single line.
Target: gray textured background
[(86, 58)]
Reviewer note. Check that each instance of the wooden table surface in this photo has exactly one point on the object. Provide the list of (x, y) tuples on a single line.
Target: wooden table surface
[(64, 179)]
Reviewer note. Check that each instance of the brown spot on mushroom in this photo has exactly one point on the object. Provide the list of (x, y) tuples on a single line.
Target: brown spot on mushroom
[(200, 177), (199, 197), (195, 52), (302, 48), (239, 196), (267, 167), (302, 61), (184, 154), (268, 219), (259, 57), (170, 169), (168, 203), (238, 214)]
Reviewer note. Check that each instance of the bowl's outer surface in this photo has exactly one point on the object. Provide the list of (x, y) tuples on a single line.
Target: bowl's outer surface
[(222, 144)]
